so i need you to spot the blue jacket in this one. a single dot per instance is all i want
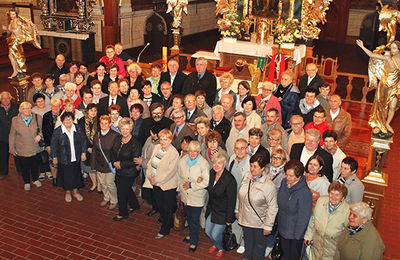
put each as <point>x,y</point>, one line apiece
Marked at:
<point>288,104</point>
<point>295,208</point>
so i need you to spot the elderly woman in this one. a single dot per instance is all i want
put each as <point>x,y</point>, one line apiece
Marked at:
<point>221,203</point>
<point>316,181</point>
<point>95,87</point>
<point>68,149</point>
<point>243,90</point>
<point>177,103</point>
<point>225,82</point>
<point>295,208</point>
<point>134,98</point>
<point>25,134</point>
<point>329,219</point>
<point>202,124</point>
<point>202,104</point>
<point>124,150</point>
<point>275,169</point>
<point>70,92</point>
<point>134,77</point>
<point>213,140</point>
<point>69,106</point>
<point>103,141</point>
<point>288,96</point>
<point>266,101</point>
<point>161,176</point>
<point>256,208</point>
<point>360,240</point>
<point>101,76</point>
<point>193,177</point>
<point>249,108</point>
<point>274,138</point>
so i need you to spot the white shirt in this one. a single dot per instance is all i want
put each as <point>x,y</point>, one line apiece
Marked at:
<point>334,115</point>
<point>309,80</point>
<point>338,156</point>
<point>71,140</point>
<point>172,78</point>
<point>110,100</point>
<point>305,155</point>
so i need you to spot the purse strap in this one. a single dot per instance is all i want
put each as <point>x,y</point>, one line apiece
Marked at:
<point>37,125</point>
<point>101,149</point>
<point>248,197</point>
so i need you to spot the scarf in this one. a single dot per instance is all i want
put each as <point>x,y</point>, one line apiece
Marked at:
<point>27,122</point>
<point>354,230</point>
<point>281,90</point>
<point>90,127</point>
<point>331,208</point>
<point>304,108</point>
<point>190,162</point>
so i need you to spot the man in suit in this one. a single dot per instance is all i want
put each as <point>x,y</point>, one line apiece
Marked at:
<point>180,129</point>
<point>272,121</point>
<point>155,123</point>
<point>174,76</point>
<point>339,119</point>
<point>219,123</point>
<point>58,68</point>
<point>305,150</point>
<point>191,110</point>
<point>201,79</point>
<point>255,135</point>
<point>113,98</point>
<point>310,79</point>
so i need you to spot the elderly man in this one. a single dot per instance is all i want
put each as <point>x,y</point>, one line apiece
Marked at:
<point>319,122</point>
<point>179,128</point>
<point>8,110</point>
<point>113,98</point>
<point>307,105</point>
<point>227,104</point>
<point>296,133</point>
<point>174,76</point>
<point>154,124</point>
<point>310,147</point>
<point>238,131</point>
<point>191,110</point>
<point>110,58</point>
<point>255,135</point>
<point>348,177</point>
<point>310,79</point>
<point>201,79</point>
<point>265,101</point>
<point>339,120</point>
<point>272,121</point>
<point>166,94</point>
<point>219,123</point>
<point>330,145</point>
<point>58,68</point>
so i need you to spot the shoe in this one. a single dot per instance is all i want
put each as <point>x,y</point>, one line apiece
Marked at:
<point>49,176</point>
<point>68,197</point>
<point>77,196</point>
<point>212,249</point>
<point>92,190</point>
<point>240,250</point>
<point>192,248</point>
<point>151,213</point>
<point>130,211</point>
<point>220,254</point>
<point>3,176</point>
<point>100,192</point>
<point>42,177</point>
<point>268,251</point>
<point>27,187</point>
<point>119,218</point>
<point>159,236</point>
<point>186,239</point>
<point>112,206</point>
<point>37,183</point>
<point>55,182</point>
<point>103,203</point>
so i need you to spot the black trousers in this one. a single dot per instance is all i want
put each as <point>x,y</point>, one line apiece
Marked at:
<point>166,201</point>
<point>126,195</point>
<point>255,243</point>
<point>29,168</point>
<point>291,248</point>
<point>4,157</point>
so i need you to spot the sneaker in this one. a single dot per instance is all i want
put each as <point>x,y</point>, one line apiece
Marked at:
<point>42,176</point>
<point>27,186</point>
<point>37,183</point>
<point>49,175</point>
<point>78,196</point>
<point>68,197</point>
<point>240,250</point>
<point>268,251</point>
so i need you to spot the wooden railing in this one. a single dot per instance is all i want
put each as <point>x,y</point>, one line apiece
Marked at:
<point>349,87</point>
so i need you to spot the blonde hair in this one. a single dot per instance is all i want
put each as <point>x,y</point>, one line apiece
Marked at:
<point>202,120</point>
<point>6,93</point>
<point>227,96</point>
<point>24,105</point>
<point>68,101</point>
<point>219,156</point>
<point>267,83</point>
<point>227,76</point>
<point>135,67</point>
<point>281,152</point>
<point>55,102</point>
<point>275,133</point>
<point>126,121</point>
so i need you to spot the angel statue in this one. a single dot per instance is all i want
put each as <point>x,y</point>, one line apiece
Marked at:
<point>19,30</point>
<point>388,19</point>
<point>177,6</point>
<point>387,92</point>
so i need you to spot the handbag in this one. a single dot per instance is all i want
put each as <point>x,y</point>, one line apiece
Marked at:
<point>41,142</point>
<point>228,239</point>
<point>180,217</point>
<point>44,155</point>
<point>112,169</point>
<point>277,252</point>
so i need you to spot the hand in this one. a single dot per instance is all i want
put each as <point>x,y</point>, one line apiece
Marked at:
<point>186,185</point>
<point>153,136</point>
<point>55,161</point>
<point>93,74</point>
<point>120,76</point>
<point>129,61</point>
<point>83,157</point>
<point>237,215</point>
<point>152,180</point>
<point>360,43</point>
<point>279,99</point>
<point>228,224</point>
<point>90,150</point>
<point>138,160</point>
<point>117,165</point>
<point>266,232</point>
<point>200,179</point>
<point>37,139</point>
<point>48,149</point>
<point>307,242</point>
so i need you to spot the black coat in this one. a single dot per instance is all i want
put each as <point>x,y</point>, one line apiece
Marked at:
<point>5,121</point>
<point>262,150</point>
<point>197,112</point>
<point>149,124</point>
<point>56,73</point>
<point>224,128</point>
<point>137,85</point>
<point>48,127</point>
<point>295,153</point>
<point>315,83</point>
<point>222,198</point>
<point>177,85</point>
<point>102,106</point>
<point>208,83</point>
<point>125,153</point>
<point>104,83</point>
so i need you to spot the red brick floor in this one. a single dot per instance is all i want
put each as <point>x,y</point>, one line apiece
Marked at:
<point>39,225</point>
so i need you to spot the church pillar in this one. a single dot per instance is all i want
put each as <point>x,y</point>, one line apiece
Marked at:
<point>111,29</point>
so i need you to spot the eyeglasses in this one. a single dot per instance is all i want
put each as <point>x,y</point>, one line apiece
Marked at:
<point>272,139</point>
<point>240,148</point>
<point>276,158</point>
<point>266,89</point>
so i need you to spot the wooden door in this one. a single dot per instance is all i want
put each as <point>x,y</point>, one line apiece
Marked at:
<point>335,29</point>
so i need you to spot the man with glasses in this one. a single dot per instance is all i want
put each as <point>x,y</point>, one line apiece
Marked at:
<point>271,122</point>
<point>310,79</point>
<point>265,101</point>
<point>179,128</point>
<point>296,132</point>
<point>154,124</point>
<point>319,123</point>
<point>173,76</point>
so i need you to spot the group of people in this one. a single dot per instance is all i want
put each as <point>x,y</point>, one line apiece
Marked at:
<point>269,166</point>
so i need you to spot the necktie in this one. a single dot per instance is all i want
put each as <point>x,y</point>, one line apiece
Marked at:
<point>175,133</point>
<point>188,115</point>
<point>113,101</point>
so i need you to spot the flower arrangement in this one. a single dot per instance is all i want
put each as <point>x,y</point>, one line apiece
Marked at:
<point>231,26</point>
<point>288,31</point>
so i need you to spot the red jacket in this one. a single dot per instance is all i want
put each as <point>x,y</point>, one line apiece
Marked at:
<point>116,60</point>
<point>321,128</point>
<point>273,102</point>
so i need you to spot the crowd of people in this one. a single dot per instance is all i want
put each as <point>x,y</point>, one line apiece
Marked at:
<point>270,166</point>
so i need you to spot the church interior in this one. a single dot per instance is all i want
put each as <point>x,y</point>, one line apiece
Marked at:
<point>40,225</point>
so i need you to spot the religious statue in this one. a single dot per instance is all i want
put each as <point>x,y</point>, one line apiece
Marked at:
<point>313,12</point>
<point>20,30</point>
<point>387,92</point>
<point>255,73</point>
<point>388,19</point>
<point>178,7</point>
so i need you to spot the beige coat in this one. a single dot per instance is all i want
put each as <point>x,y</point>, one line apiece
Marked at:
<point>263,197</point>
<point>196,195</point>
<point>342,126</point>
<point>233,136</point>
<point>165,175</point>
<point>21,136</point>
<point>324,228</point>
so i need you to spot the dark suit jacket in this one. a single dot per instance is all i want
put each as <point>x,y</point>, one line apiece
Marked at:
<point>56,73</point>
<point>185,131</point>
<point>208,83</point>
<point>315,83</point>
<point>149,124</point>
<point>222,198</point>
<point>137,85</point>
<point>295,153</point>
<point>224,128</point>
<point>102,106</point>
<point>104,83</point>
<point>177,85</point>
<point>261,149</point>
<point>197,112</point>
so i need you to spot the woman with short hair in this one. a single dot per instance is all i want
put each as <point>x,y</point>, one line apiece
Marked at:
<point>243,90</point>
<point>214,142</point>
<point>249,107</point>
<point>70,92</point>
<point>225,82</point>
<point>134,77</point>
<point>316,181</point>
<point>202,124</point>
<point>202,104</point>
<point>275,169</point>
<point>177,103</point>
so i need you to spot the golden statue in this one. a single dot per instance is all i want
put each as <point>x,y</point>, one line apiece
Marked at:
<point>387,92</point>
<point>178,7</point>
<point>388,19</point>
<point>20,30</point>
<point>255,76</point>
<point>312,13</point>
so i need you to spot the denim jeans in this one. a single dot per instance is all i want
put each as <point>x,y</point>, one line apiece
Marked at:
<point>214,232</point>
<point>193,219</point>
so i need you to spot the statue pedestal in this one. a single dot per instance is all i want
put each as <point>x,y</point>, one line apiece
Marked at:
<point>177,41</point>
<point>376,181</point>
<point>20,87</point>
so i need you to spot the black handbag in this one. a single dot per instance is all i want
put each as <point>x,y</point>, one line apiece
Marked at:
<point>44,155</point>
<point>276,252</point>
<point>229,239</point>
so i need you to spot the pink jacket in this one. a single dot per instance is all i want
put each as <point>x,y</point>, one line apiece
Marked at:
<point>273,102</point>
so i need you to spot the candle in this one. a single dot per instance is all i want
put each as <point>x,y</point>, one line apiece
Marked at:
<point>164,58</point>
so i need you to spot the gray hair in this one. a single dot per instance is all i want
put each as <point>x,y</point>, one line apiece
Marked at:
<point>362,209</point>
<point>218,107</point>
<point>70,85</point>
<point>313,132</point>
<point>179,112</point>
<point>202,59</point>
<point>194,145</point>
<point>219,156</point>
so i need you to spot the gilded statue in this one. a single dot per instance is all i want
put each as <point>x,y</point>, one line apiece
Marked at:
<point>313,12</point>
<point>222,7</point>
<point>19,30</point>
<point>255,74</point>
<point>178,7</point>
<point>387,92</point>
<point>388,19</point>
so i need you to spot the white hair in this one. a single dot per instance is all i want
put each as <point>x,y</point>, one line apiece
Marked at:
<point>70,85</point>
<point>362,209</point>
